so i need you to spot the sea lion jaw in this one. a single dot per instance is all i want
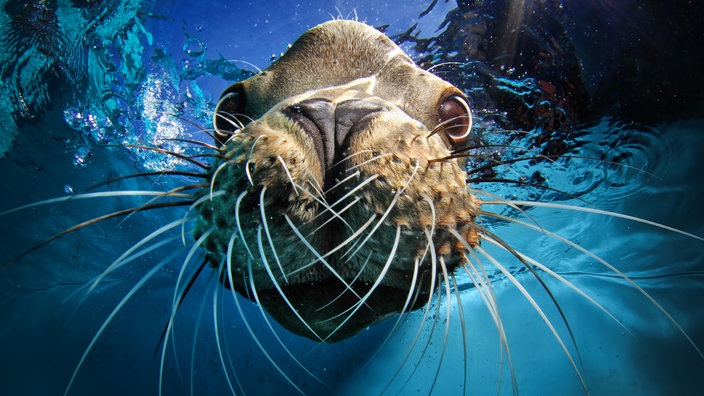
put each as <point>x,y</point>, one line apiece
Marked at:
<point>338,205</point>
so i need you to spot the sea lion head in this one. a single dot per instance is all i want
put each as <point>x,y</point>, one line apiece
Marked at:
<point>337,200</point>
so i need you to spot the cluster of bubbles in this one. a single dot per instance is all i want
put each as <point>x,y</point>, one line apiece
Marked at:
<point>137,102</point>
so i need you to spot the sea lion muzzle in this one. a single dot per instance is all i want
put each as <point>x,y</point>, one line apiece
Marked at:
<point>339,201</point>
<point>328,124</point>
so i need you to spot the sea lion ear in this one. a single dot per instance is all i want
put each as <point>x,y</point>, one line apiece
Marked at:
<point>229,112</point>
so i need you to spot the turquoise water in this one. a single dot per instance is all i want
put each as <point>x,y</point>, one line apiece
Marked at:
<point>83,80</point>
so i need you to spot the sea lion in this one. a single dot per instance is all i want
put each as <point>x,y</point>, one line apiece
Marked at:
<point>348,205</point>
<point>288,188</point>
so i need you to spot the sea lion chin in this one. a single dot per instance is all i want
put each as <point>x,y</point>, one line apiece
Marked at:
<point>338,200</point>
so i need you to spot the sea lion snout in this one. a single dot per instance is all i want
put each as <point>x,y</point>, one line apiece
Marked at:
<point>329,124</point>
<point>339,199</point>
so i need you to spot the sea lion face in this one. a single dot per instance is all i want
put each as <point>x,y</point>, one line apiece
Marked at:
<point>337,201</point>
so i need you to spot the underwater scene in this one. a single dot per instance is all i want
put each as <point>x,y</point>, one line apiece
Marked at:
<point>585,150</point>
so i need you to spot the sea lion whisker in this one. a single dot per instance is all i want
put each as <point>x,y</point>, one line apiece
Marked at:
<point>171,153</point>
<point>326,206</point>
<point>429,337</point>
<point>426,312</point>
<point>393,202</point>
<point>238,223</point>
<point>486,292</point>
<point>91,222</point>
<point>317,187</point>
<point>253,288</point>
<point>341,211</point>
<point>362,301</point>
<point>246,322</point>
<point>352,281</point>
<point>119,261</point>
<point>339,200</point>
<point>158,197</point>
<point>320,258</point>
<point>146,174</point>
<point>249,159</point>
<point>215,175</point>
<point>410,297</point>
<point>230,119</point>
<point>216,327</point>
<point>430,69</point>
<point>448,310</point>
<point>629,280</point>
<point>267,267</point>
<point>600,212</point>
<point>526,183</point>
<point>193,142</point>
<point>288,174</point>
<point>536,307</point>
<point>102,194</point>
<point>195,205</point>
<point>114,312</point>
<point>265,224</point>
<point>339,246</point>
<point>338,163</point>
<point>210,285</point>
<point>542,283</point>
<point>554,274</point>
<point>481,212</point>
<point>463,327</point>
<point>341,182</point>
<point>377,157</point>
<point>178,298</point>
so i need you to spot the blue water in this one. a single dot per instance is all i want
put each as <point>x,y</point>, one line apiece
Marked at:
<point>82,81</point>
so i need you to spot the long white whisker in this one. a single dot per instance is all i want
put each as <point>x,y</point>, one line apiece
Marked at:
<point>175,301</point>
<point>265,223</point>
<point>448,310</point>
<point>216,327</point>
<point>630,281</point>
<point>267,267</point>
<point>120,260</point>
<point>114,312</point>
<point>246,322</point>
<point>596,211</point>
<point>341,182</point>
<point>193,206</point>
<point>288,174</point>
<point>253,288</point>
<point>240,230</point>
<point>486,291</point>
<point>338,247</point>
<point>341,211</point>
<point>426,312</point>
<point>398,194</point>
<point>537,309</point>
<point>549,271</point>
<point>455,285</point>
<point>318,256</point>
<point>105,194</point>
<point>216,173</point>
<point>377,282</point>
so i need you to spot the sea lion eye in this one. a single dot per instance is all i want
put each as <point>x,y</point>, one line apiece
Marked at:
<point>228,112</point>
<point>455,118</point>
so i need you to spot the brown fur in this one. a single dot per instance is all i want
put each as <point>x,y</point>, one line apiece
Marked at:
<point>396,152</point>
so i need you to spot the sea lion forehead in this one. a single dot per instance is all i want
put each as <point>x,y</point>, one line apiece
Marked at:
<point>330,54</point>
<point>336,54</point>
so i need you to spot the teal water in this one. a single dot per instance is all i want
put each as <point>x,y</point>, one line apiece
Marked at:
<point>82,80</point>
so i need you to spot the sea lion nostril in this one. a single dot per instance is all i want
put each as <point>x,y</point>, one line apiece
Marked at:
<point>328,124</point>
<point>349,113</point>
<point>317,118</point>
